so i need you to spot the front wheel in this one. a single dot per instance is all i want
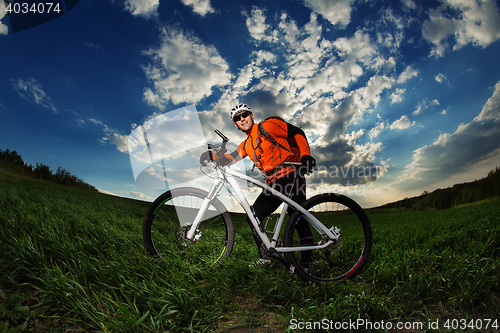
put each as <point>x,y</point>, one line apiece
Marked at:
<point>169,219</point>
<point>346,255</point>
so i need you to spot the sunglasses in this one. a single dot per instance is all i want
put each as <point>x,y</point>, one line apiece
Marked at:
<point>242,115</point>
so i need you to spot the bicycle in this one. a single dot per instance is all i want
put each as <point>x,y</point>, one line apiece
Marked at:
<point>193,225</point>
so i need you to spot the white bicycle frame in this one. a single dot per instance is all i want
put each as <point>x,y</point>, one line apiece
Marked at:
<point>225,174</point>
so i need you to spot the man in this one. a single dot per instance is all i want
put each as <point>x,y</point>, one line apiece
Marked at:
<point>269,147</point>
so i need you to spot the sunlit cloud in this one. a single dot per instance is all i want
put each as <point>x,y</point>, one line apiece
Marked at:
<point>397,96</point>
<point>337,12</point>
<point>111,135</point>
<point>425,105</point>
<point>184,69</point>
<point>201,7</point>
<point>143,8</point>
<point>31,90</point>
<point>401,124</point>
<point>441,78</point>
<point>3,28</point>
<point>455,152</point>
<point>465,22</point>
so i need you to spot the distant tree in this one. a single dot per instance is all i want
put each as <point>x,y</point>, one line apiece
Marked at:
<point>11,156</point>
<point>63,177</point>
<point>42,171</point>
<point>13,162</point>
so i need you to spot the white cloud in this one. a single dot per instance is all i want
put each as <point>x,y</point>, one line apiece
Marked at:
<point>257,27</point>
<point>424,105</point>
<point>338,12</point>
<point>418,110</point>
<point>153,99</point>
<point>184,70</point>
<point>3,28</point>
<point>359,47</point>
<point>491,110</point>
<point>111,135</point>
<point>407,74</point>
<point>305,54</point>
<point>353,136</point>
<point>144,8</point>
<point>264,57</point>
<point>120,141</point>
<point>410,4</point>
<point>397,96</point>
<point>390,30</point>
<point>472,143</point>
<point>375,131</point>
<point>441,78</point>
<point>473,22</point>
<point>32,91</point>
<point>140,196</point>
<point>401,124</point>
<point>201,7</point>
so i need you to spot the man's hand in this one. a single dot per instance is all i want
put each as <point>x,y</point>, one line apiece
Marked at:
<point>211,156</point>
<point>308,164</point>
<point>206,157</point>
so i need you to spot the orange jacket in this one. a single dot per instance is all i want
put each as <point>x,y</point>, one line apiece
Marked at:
<point>266,155</point>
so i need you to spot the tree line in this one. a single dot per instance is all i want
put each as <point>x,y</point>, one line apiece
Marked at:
<point>12,162</point>
<point>459,194</point>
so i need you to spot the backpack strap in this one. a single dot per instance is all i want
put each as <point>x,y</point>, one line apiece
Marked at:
<point>268,136</point>
<point>254,153</point>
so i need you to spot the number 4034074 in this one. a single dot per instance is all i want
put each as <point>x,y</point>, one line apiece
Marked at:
<point>473,324</point>
<point>33,8</point>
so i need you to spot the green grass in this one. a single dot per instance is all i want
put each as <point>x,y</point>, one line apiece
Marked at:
<point>74,260</point>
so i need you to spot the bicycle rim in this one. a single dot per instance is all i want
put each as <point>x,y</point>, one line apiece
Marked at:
<point>168,221</point>
<point>346,256</point>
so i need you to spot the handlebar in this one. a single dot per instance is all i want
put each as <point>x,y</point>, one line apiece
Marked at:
<point>224,138</point>
<point>224,141</point>
<point>218,149</point>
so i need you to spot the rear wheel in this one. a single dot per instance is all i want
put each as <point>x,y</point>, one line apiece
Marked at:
<point>170,217</point>
<point>346,256</point>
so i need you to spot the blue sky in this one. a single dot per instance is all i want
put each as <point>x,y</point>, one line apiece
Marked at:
<point>408,88</point>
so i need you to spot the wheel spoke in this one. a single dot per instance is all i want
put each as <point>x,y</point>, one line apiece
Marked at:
<point>346,256</point>
<point>169,220</point>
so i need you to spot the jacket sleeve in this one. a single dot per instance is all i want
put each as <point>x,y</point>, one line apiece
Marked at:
<point>239,153</point>
<point>300,137</point>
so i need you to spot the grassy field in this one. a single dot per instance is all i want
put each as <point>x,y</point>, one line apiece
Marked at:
<point>73,261</point>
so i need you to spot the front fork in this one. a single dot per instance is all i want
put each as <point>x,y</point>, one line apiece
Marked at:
<point>216,187</point>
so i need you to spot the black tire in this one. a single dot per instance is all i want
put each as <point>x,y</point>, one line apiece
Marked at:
<point>346,257</point>
<point>166,224</point>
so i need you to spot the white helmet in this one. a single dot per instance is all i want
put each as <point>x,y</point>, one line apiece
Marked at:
<point>238,109</point>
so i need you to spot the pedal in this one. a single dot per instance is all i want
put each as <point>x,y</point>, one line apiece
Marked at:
<point>276,255</point>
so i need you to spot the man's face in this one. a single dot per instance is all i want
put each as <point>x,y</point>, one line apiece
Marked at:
<point>244,121</point>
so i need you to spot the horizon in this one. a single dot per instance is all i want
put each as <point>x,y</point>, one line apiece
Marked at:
<point>496,169</point>
<point>405,95</point>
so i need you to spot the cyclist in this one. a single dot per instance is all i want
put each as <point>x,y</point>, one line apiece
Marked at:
<point>269,146</point>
